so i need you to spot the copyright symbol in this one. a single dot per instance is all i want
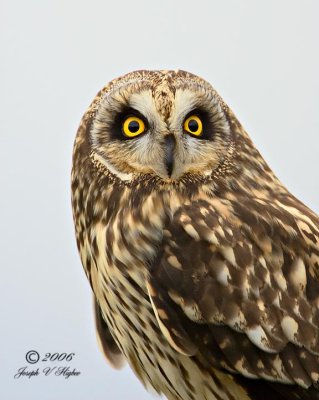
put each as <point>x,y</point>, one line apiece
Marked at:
<point>32,357</point>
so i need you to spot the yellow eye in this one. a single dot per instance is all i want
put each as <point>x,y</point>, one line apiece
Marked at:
<point>193,125</point>
<point>133,126</point>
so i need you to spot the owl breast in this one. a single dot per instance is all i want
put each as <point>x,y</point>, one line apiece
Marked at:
<point>122,249</point>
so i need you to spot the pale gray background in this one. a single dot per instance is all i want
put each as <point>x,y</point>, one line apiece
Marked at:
<point>262,56</point>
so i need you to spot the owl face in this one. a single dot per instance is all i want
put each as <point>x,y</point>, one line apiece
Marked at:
<point>163,124</point>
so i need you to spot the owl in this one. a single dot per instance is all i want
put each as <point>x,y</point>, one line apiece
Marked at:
<point>204,268</point>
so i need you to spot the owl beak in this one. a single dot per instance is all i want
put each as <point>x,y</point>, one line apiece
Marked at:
<point>169,147</point>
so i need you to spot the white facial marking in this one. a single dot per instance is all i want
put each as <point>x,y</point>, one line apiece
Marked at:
<point>121,175</point>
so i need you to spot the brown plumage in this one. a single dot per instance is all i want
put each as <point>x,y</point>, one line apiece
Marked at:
<point>204,267</point>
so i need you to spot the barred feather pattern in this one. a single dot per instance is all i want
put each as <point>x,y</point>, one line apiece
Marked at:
<point>208,286</point>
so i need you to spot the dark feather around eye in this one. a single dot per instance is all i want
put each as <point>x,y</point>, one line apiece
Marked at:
<point>208,126</point>
<point>117,126</point>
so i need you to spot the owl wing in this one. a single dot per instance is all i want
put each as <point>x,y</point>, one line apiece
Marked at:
<point>241,292</point>
<point>106,342</point>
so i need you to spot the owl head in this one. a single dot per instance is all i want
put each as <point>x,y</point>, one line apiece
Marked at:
<point>166,128</point>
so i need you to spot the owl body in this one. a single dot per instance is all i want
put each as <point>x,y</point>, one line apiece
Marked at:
<point>204,268</point>
<point>126,304</point>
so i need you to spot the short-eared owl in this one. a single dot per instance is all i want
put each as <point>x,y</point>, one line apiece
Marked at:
<point>204,268</point>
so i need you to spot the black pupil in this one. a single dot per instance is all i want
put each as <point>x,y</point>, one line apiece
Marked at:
<point>133,126</point>
<point>193,125</point>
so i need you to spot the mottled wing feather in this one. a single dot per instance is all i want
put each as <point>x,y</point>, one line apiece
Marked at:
<point>106,342</point>
<point>169,322</point>
<point>243,285</point>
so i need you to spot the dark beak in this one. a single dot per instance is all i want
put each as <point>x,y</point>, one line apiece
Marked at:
<point>169,153</point>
